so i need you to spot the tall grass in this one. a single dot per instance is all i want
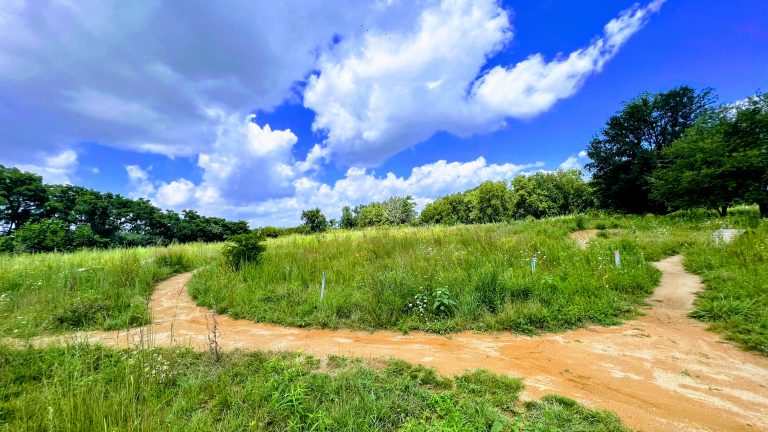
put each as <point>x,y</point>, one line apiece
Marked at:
<point>87,289</point>
<point>436,279</point>
<point>736,276</point>
<point>88,388</point>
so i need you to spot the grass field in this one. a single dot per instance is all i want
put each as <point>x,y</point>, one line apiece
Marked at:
<point>87,289</point>
<point>444,279</point>
<point>89,388</point>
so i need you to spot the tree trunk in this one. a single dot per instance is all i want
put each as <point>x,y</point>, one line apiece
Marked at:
<point>724,211</point>
<point>763,209</point>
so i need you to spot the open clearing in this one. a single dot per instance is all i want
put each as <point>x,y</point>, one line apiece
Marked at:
<point>662,371</point>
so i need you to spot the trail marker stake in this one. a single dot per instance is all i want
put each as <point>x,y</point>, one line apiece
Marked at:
<point>322,288</point>
<point>616,258</point>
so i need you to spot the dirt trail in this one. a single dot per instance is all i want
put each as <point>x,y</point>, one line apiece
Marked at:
<point>662,372</point>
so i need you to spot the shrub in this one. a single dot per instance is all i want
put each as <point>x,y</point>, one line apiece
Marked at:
<point>244,248</point>
<point>82,312</point>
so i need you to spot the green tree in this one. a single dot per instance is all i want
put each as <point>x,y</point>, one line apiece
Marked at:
<point>551,194</point>
<point>625,152</point>
<point>400,210</point>
<point>314,220</point>
<point>450,210</point>
<point>44,236</point>
<point>373,214</point>
<point>721,160</point>
<point>348,219</point>
<point>22,198</point>
<point>490,202</point>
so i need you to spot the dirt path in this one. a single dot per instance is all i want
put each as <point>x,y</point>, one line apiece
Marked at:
<point>663,371</point>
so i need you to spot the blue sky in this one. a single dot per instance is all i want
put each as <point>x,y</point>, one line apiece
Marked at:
<point>257,110</point>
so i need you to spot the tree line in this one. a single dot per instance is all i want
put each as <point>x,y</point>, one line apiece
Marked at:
<point>37,217</point>
<point>659,153</point>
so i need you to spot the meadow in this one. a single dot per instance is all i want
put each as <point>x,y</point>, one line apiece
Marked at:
<point>89,289</point>
<point>82,387</point>
<point>452,278</point>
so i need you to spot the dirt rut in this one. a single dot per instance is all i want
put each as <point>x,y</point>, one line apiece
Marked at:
<point>661,372</point>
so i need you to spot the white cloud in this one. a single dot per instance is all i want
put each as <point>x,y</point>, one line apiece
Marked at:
<point>394,90</point>
<point>250,163</point>
<point>574,161</point>
<point>139,183</point>
<point>56,169</point>
<point>174,194</point>
<point>139,75</point>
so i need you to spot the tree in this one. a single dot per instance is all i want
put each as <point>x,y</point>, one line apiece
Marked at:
<point>490,202</point>
<point>314,220</point>
<point>22,198</point>
<point>348,219</point>
<point>450,210</point>
<point>721,160</point>
<point>550,194</point>
<point>626,151</point>
<point>44,236</point>
<point>400,210</point>
<point>373,214</point>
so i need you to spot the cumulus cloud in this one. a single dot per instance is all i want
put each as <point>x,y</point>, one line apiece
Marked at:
<point>145,75</point>
<point>56,169</point>
<point>394,90</point>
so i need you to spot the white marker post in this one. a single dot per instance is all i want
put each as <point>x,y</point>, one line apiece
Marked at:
<point>616,258</point>
<point>533,265</point>
<point>322,288</point>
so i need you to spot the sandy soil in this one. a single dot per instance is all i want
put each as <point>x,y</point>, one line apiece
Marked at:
<point>662,372</point>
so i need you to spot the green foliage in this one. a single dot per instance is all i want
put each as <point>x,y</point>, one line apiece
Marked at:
<point>373,214</point>
<point>22,196</point>
<point>89,289</point>
<point>66,217</point>
<point>449,210</point>
<point>314,220</point>
<point>721,160</point>
<point>348,219</point>
<point>243,249</point>
<point>83,387</point>
<point>490,202</point>
<point>625,153</point>
<point>551,194</point>
<point>44,236</point>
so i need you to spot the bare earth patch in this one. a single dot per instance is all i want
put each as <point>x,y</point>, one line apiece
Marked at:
<point>661,372</point>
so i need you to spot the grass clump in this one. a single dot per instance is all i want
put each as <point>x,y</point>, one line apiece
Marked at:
<point>83,387</point>
<point>93,289</point>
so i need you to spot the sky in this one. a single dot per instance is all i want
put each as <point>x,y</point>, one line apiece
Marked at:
<point>257,110</point>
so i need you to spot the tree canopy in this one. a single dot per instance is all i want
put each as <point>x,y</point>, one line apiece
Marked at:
<point>721,160</point>
<point>39,217</point>
<point>625,152</point>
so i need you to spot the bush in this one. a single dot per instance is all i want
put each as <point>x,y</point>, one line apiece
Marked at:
<point>244,248</point>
